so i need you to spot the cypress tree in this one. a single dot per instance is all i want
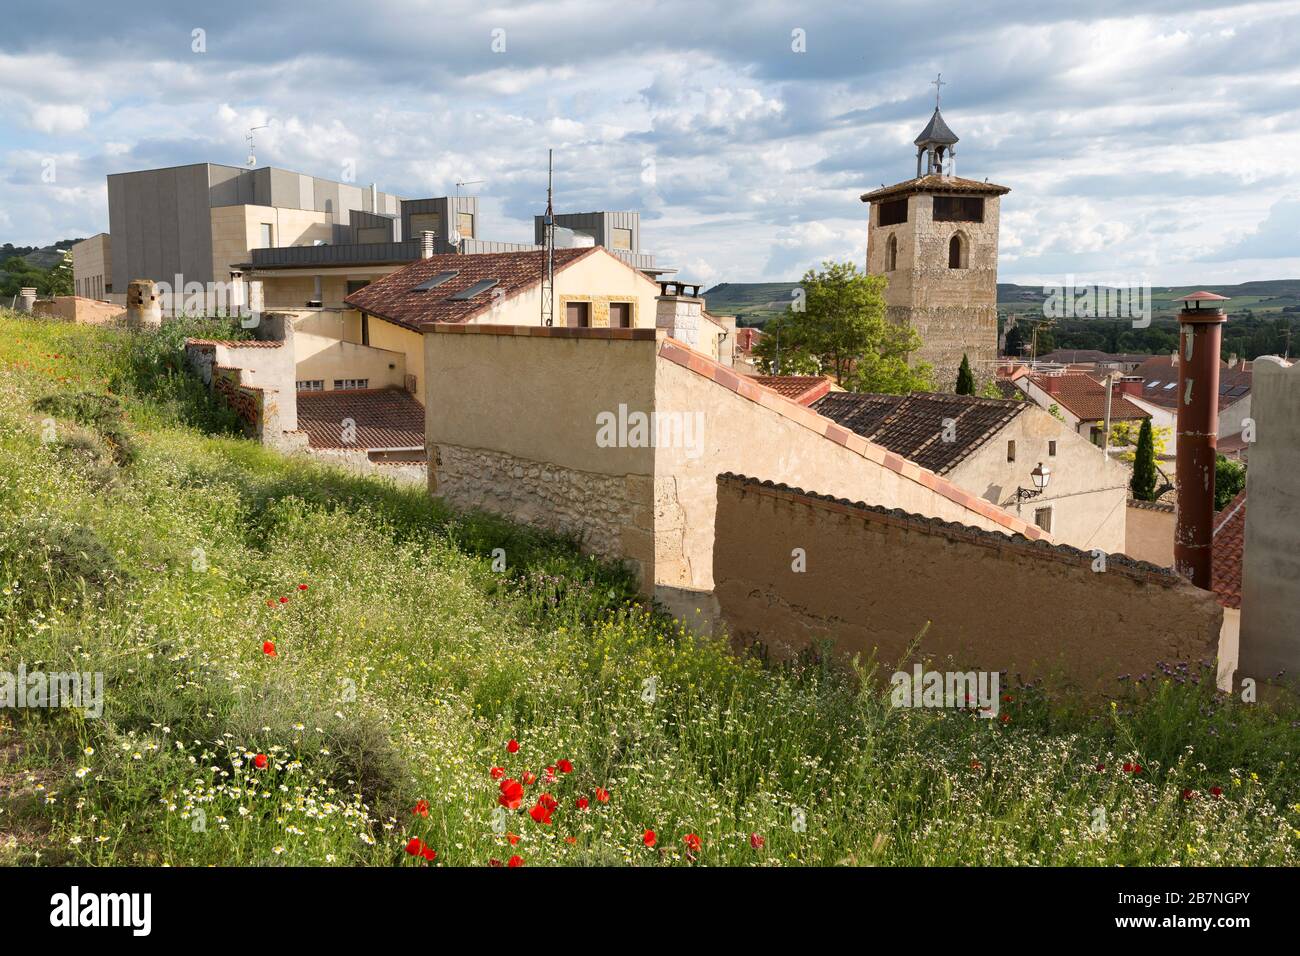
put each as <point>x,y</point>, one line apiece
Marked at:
<point>965,378</point>
<point>1143,482</point>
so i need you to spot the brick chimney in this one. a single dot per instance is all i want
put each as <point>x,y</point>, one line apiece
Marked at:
<point>679,311</point>
<point>1200,334</point>
<point>1052,384</point>
<point>1130,385</point>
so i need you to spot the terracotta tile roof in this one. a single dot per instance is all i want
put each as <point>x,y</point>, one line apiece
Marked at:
<point>392,298</point>
<point>913,425</point>
<point>936,184</point>
<point>1160,382</point>
<point>384,417</point>
<point>804,389</point>
<point>1233,446</point>
<point>1229,548</point>
<point>1086,399</point>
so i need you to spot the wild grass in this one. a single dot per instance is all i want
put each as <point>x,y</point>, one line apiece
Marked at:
<point>404,663</point>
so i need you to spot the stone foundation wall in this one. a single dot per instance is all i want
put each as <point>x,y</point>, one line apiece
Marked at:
<point>606,511</point>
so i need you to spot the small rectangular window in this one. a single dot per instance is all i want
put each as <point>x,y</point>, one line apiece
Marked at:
<point>958,209</point>
<point>577,315</point>
<point>425,222</point>
<point>1011,450</point>
<point>620,238</point>
<point>1051,449</point>
<point>465,225</point>
<point>1043,518</point>
<point>312,385</point>
<point>620,315</point>
<point>268,236</point>
<point>351,383</point>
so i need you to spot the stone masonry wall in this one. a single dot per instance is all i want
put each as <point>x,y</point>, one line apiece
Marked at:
<point>603,510</point>
<point>953,310</point>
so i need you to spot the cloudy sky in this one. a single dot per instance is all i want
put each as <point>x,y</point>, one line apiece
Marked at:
<point>1155,139</point>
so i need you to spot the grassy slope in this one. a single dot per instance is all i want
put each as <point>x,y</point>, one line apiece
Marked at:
<point>160,558</point>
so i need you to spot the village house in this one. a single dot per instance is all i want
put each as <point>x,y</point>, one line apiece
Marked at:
<point>1158,395</point>
<point>1011,453</point>
<point>1080,400</point>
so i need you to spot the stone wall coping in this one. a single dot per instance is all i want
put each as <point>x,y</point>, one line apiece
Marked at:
<point>683,355</point>
<point>236,343</point>
<point>1151,505</point>
<point>540,331</point>
<point>896,517</point>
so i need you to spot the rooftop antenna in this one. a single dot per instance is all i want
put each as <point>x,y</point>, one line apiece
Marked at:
<point>455,230</point>
<point>548,247</point>
<point>252,147</point>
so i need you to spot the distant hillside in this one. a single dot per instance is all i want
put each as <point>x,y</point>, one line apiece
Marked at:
<point>753,303</point>
<point>1265,298</point>
<point>38,258</point>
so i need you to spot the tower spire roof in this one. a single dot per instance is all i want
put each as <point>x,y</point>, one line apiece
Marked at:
<point>936,131</point>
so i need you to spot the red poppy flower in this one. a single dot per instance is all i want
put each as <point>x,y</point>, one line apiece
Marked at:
<point>693,843</point>
<point>497,772</point>
<point>270,604</point>
<point>1188,793</point>
<point>512,794</point>
<point>529,778</point>
<point>259,761</point>
<point>302,587</point>
<point>516,861</point>
<point>976,765</point>
<point>1216,791</point>
<point>602,795</point>
<point>583,803</point>
<point>571,840</point>
<point>648,838</point>
<point>565,766</point>
<point>421,808</point>
<point>268,648</point>
<point>284,600</point>
<point>494,862</point>
<point>1005,718</point>
<point>550,774</point>
<point>756,841</point>
<point>513,746</point>
<point>1132,768</point>
<point>429,853</point>
<point>1101,767</point>
<point>540,813</point>
<point>548,802</point>
<point>513,838</point>
<point>414,846</point>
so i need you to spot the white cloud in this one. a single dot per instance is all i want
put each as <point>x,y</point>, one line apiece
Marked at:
<point>56,118</point>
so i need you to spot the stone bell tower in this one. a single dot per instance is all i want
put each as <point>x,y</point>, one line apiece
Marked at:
<point>935,237</point>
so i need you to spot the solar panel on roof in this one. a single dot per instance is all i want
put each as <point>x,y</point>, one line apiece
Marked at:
<point>436,281</point>
<point>1171,385</point>
<point>482,285</point>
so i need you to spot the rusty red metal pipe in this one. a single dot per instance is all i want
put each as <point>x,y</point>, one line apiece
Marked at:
<point>1200,326</point>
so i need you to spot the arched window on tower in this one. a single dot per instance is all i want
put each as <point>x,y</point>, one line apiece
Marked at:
<point>957,256</point>
<point>891,254</point>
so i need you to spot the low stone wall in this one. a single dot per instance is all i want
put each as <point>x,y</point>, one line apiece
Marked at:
<point>874,579</point>
<point>75,308</point>
<point>597,508</point>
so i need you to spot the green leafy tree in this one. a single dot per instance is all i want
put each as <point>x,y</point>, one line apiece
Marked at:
<point>838,327</point>
<point>1126,434</point>
<point>1015,339</point>
<point>965,377</point>
<point>59,280</point>
<point>1143,482</point>
<point>1229,479</point>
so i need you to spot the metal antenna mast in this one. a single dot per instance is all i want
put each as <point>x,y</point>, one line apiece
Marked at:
<point>252,147</point>
<point>548,247</point>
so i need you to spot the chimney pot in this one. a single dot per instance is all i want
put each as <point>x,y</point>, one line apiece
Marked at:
<point>426,244</point>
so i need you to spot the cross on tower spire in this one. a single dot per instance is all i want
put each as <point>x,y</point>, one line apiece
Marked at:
<point>937,83</point>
